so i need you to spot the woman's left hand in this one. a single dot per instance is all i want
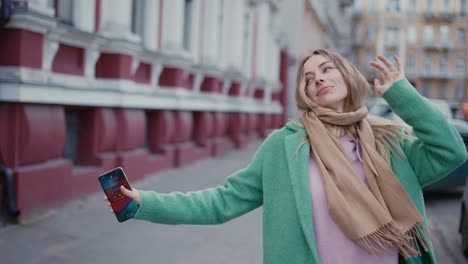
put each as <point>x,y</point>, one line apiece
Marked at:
<point>388,72</point>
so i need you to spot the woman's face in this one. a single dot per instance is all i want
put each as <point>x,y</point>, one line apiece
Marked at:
<point>324,83</point>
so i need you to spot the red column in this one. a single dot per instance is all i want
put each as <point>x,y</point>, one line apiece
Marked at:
<point>131,127</point>
<point>31,143</point>
<point>161,132</point>
<point>283,96</point>
<point>222,142</point>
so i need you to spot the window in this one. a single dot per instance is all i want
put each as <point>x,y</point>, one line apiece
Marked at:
<point>369,57</point>
<point>413,7</point>
<point>412,37</point>
<point>392,5</point>
<point>357,6</point>
<point>355,31</point>
<point>447,6</point>
<point>429,6</point>
<point>371,32</point>
<point>426,90</point>
<point>392,35</point>
<point>372,7</point>
<point>427,64</point>
<point>461,35</point>
<point>188,14</point>
<point>460,65</point>
<point>389,54</point>
<point>246,38</point>
<point>428,34</point>
<point>459,93</point>
<point>137,17</point>
<point>353,59</point>
<point>444,34</point>
<point>71,147</point>
<point>220,28</point>
<point>64,11</point>
<point>442,91</point>
<point>462,7</point>
<point>411,62</point>
<point>443,65</point>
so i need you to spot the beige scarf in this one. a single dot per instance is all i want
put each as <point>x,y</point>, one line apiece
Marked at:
<point>378,216</point>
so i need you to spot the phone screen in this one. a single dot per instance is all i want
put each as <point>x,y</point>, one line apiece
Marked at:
<point>123,207</point>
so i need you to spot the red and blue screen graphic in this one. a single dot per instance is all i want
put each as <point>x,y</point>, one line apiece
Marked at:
<point>123,207</point>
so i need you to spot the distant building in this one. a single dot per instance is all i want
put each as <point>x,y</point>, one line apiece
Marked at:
<point>428,35</point>
<point>321,24</point>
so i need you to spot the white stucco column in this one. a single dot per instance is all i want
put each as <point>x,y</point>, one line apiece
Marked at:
<point>116,19</point>
<point>210,32</point>
<point>195,27</point>
<point>173,25</point>
<point>151,23</point>
<point>402,45</point>
<point>247,44</point>
<point>274,54</point>
<point>84,14</point>
<point>380,39</point>
<point>263,35</point>
<point>234,24</point>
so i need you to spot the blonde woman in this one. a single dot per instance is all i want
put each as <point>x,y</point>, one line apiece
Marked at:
<point>337,185</point>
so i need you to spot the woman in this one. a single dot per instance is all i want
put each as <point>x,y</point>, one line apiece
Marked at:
<point>337,186</point>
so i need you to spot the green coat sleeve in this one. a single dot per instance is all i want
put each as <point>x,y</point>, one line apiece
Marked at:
<point>438,149</point>
<point>241,193</point>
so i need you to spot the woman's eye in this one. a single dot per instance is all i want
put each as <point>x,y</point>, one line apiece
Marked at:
<point>326,69</point>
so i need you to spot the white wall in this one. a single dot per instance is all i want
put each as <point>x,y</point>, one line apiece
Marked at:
<point>151,24</point>
<point>84,14</point>
<point>173,25</point>
<point>211,33</point>
<point>231,57</point>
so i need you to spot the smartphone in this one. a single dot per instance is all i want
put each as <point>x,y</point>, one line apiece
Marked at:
<point>123,206</point>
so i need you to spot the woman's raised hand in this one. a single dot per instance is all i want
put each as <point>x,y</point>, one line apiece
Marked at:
<point>388,73</point>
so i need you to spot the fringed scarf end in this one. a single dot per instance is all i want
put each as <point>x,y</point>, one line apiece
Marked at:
<point>388,236</point>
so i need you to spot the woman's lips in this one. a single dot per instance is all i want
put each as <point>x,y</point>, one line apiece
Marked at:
<point>323,90</point>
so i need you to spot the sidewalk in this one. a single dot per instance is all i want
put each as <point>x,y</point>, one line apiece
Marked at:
<point>85,231</point>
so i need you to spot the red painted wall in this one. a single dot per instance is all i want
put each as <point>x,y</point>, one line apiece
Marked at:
<point>143,73</point>
<point>211,84</point>
<point>69,60</point>
<point>21,48</point>
<point>114,66</point>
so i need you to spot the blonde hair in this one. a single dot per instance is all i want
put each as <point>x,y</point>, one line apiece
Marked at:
<point>387,134</point>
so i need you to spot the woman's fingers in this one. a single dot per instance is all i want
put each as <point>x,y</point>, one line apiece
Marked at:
<point>378,67</point>
<point>398,63</point>
<point>386,62</point>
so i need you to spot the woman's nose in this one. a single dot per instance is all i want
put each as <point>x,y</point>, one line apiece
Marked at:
<point>319,79</point>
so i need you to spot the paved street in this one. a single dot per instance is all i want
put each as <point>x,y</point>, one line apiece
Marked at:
<point>443,211</point>
<point>85,231</point>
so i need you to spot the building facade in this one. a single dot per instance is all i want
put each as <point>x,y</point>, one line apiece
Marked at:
<point>320,24</point>
<point>147,85</point>
<point>428,36</point>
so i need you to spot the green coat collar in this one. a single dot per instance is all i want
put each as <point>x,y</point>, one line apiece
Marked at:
<point>298,162</point>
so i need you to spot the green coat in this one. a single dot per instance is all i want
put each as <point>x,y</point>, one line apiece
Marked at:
<point>277,178</point>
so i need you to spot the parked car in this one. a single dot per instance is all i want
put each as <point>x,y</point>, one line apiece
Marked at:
<point>456,179</point>
<point>463,226</point>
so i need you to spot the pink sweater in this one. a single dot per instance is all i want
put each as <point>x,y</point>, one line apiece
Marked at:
<point>332,245</point>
